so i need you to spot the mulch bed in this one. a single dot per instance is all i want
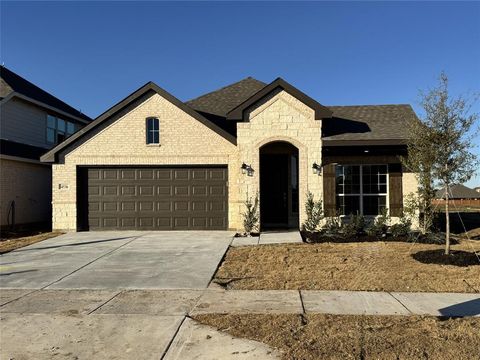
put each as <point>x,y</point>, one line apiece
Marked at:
<point>320,237</point>
<point>455,258</point>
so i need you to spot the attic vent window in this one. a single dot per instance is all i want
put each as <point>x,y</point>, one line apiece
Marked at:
<point>153,131</point>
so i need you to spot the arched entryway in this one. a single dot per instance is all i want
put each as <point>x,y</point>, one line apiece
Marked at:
<point>279,186</point>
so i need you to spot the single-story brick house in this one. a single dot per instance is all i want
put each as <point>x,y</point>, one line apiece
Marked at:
<point>155,162</point>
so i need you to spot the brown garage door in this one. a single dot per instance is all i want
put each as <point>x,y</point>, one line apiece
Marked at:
<point>173,198</point>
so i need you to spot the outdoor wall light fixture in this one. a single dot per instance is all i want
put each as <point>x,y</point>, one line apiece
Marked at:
<point>317,169</point>
<point>247,169</point>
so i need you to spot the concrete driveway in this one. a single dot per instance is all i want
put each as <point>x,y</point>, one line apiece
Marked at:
<point>117,260</point>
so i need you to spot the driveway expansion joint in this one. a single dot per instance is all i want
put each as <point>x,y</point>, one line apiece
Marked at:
<point>91,262</point>
<point>106,302</point>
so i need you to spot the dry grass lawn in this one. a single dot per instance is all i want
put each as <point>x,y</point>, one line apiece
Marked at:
<point>16,243</point>
<point>371,266</point>
<point>323,336</point>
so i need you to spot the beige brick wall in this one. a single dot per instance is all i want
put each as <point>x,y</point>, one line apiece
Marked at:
<point>280,117</point>
<point>29,185</point>
<point>410,186</point>
<point>183,140</point>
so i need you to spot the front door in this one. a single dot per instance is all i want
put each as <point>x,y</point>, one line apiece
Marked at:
<point>274,190</point>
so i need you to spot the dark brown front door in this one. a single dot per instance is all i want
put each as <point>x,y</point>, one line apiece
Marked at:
<point>274,190</point>
<point>162,198</point>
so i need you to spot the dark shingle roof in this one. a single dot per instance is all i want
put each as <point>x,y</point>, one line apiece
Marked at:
<point>354,123</point>
<point>458,192</point>
<point>11,82</point>
<point>368,122</point>
<point>221,101</point>
<point>13,148</point>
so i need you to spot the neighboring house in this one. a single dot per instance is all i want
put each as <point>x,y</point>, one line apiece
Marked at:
<point>31,122</point>
<point>461,195</point>
<point>155,162</point>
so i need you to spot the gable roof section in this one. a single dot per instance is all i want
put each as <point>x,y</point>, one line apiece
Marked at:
<point>221,101</point>
<point>364,124</point>
<point>458,192</point>
<point>321,112</point>
<point>149,88</point>
<point>11,84</point>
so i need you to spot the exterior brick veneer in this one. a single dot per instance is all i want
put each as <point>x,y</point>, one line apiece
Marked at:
<point>185,141</point>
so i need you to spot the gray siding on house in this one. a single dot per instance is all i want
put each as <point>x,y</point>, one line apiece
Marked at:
<point>24,123</point>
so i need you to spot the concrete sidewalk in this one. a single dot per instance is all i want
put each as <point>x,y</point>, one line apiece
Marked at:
<point>204,301</point>
<point>153,324</point>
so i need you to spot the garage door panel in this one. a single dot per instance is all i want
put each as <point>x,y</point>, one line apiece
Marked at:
<point>128,223</point>
<point>182,174</point>
<point>157,198</point>
<point>182,190</point>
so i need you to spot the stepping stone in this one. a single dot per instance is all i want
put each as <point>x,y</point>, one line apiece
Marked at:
<point>195,341</point>
<point>280,237</point>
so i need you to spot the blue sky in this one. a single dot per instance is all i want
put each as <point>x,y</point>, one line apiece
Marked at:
<point>93,54</point>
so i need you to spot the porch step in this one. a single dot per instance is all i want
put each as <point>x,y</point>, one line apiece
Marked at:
<point>280,237</point>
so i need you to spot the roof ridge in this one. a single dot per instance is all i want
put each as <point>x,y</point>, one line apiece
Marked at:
<point>224,87</point>
<point>369,105</point>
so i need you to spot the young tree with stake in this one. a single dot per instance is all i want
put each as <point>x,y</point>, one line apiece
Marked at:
<point>448,127</point>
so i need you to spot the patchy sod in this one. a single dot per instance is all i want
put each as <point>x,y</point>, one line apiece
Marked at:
<point>320,336</point>
<point>369,266</point>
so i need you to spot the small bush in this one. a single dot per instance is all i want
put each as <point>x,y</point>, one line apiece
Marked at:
<point>332,226</point>
<point>314,210</point>
<point>251,217</point>
<point>379,226</point>
<point>355,226</point>
<point>403,228</point>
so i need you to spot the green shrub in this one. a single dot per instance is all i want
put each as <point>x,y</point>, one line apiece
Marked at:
<point>314,211</point>
<point>355,226</point>
<point>251,217</point>
<point>379,226</point>
<point>403,228</point>
<point>332,226</point>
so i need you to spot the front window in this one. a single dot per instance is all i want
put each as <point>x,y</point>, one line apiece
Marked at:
<point>58,129</point>
<point>361,189</point>
<point>153,131</point>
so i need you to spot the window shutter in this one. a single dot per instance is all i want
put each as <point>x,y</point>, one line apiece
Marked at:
<point>395,189</point>
<point>329,190</point>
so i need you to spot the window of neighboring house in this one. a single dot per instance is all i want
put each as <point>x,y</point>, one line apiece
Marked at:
<point>58,129</point>
<point>153,131</point>
<point>361,189</point>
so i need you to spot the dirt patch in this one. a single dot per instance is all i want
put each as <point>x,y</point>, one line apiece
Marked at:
<point>372,266</point>
<point>322,336</point>
<point>16,243</point>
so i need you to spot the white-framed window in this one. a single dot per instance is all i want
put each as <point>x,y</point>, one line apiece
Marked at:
<point>153,131</point>
<point>361,189</point>
<point>58,129</point>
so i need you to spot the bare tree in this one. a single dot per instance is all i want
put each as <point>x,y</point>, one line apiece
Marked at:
<point>448,125</point>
